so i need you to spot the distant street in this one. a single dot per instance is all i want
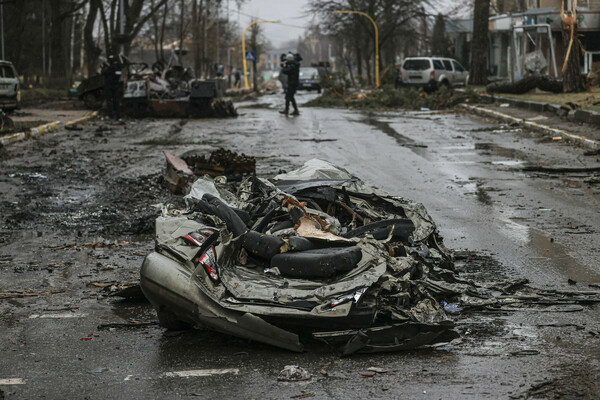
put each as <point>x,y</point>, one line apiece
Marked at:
<point>78,209</point>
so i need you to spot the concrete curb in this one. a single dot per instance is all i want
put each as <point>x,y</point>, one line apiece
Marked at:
<point>583,141</point>
<point>584,116</point>
<point>40,130</point>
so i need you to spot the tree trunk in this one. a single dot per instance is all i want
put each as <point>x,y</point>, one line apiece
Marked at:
<point>162,32</point>
<point>572,81</point>
<point>478,71</point>
<point>92,52</point>
<point>59,44</point>
<point>196,37</point>
<point>543,82</point>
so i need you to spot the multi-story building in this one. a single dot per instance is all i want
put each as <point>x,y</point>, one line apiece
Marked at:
<point>522,29</point>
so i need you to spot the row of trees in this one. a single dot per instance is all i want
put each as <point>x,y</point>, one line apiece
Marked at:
<point>401,25</point>
<point>57,41</point>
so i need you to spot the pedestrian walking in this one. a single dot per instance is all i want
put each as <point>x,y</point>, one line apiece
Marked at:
<point>291,68</point>
<point>111,71</point>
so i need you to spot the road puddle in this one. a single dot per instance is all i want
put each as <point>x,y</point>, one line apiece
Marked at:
<point>550,253</point>
<point>515,157</point>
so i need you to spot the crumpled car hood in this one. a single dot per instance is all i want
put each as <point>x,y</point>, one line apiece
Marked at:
<point>388,301</point>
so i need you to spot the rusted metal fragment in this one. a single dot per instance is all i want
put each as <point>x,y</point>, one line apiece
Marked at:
<point>177,174</point>
<point>222,162</point>
<point>179,164</point>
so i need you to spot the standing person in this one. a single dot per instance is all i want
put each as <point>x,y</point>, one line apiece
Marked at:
<point>111,71</point>
<point>292,69</point>
<point>237,76</point>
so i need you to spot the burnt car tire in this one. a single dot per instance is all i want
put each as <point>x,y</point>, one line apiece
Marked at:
<point>317,263</point>
<point>168,320</point>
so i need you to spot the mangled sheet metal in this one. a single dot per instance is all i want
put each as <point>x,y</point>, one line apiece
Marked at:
<point>315,251</point>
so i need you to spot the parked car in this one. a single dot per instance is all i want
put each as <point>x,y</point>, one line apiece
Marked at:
<point>310,79</point>
<point>432,72</point>
<point>10,94</point>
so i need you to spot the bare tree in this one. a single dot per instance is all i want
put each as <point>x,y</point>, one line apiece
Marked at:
<point>137,13</point>
<point>392,18</point>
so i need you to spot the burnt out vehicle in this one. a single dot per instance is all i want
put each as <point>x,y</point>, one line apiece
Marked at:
<point>314,254</point>
<point>173,93</point>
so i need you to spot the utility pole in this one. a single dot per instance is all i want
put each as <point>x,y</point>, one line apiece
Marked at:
<point>244,49</point>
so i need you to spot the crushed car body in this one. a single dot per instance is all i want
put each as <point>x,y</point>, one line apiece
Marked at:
<point>311,254</point>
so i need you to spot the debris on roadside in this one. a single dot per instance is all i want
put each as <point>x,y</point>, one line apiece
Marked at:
<point>390,98</point>
<point>119,289</point>
<point>293,373</point>
<point>221,162</point>
<point>592,180</point>
<point>542,82</point>
<point>10,294</point>
<point>181,172</point>
<point>93,245</point>
<point>133,323</point>
<point>378,370</point>
<point>303,396</point>
<point>177,175</point>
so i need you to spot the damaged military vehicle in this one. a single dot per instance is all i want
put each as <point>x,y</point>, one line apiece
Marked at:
<point>313,254</point>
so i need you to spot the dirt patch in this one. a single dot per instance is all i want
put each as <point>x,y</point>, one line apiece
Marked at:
<point>574,382</point>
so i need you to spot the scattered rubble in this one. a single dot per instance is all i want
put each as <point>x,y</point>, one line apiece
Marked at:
<point>11,294</point>
<point>389,98</point>
<point>181,172</point>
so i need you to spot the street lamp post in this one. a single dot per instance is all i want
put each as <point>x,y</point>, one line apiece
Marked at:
<point>376,41</point>
<point>244,49</point>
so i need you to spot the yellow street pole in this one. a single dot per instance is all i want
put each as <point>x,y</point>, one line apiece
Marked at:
<point>376,41</point>
<point>244,49</point>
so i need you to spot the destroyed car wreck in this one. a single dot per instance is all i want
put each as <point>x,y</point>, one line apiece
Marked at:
<point>311,254</point>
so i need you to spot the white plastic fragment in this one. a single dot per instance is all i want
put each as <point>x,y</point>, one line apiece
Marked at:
<point>293,373</point>
<point>201,372</point>
<point>202,186</point>
<point>12,381</point>
<point>315,169</point>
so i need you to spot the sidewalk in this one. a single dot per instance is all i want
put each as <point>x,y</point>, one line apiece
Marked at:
<point>577,126</point>
<point>51,117</point>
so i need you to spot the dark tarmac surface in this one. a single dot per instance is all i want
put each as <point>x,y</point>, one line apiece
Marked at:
<point>78,207</point>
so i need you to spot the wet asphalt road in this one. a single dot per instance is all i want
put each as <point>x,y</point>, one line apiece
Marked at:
<point>77,208</point>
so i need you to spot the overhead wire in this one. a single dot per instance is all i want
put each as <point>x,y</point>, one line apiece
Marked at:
<point>281,23</point>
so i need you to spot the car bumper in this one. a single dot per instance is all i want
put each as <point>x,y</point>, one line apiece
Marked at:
<point>309,86</point>
<point>9,103</point>
<point>427,86</point>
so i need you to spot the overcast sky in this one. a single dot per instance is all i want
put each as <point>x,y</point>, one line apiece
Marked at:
<point>292,14</point>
